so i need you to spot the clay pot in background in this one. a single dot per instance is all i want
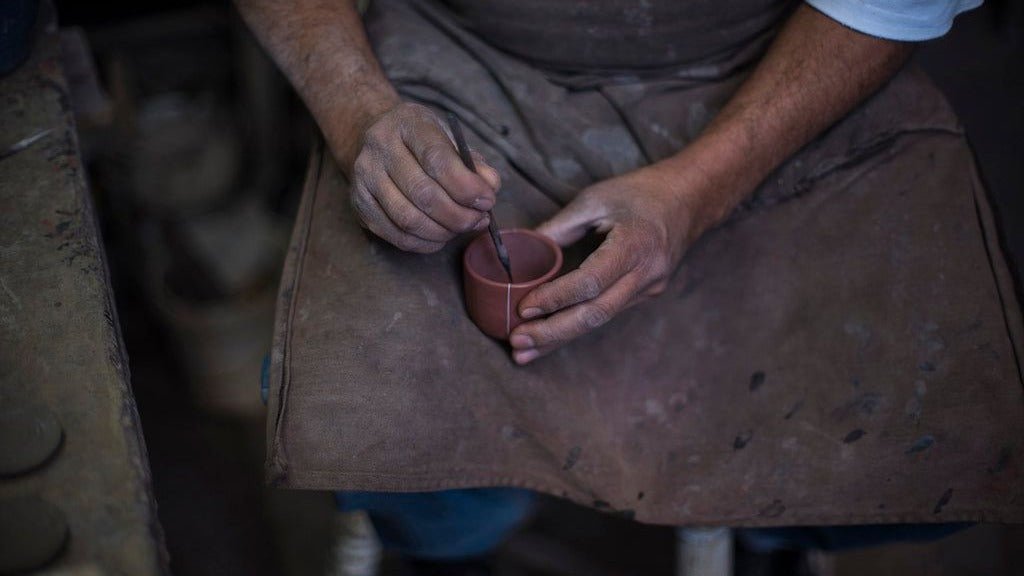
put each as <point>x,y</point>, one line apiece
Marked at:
<point>493,302</point>
<point>213,279</point>
<point>221,344</point>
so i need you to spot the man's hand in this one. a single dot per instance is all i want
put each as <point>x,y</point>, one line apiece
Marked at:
<point>648,224</point>
<point>409,185</point>
<point>815,71</point>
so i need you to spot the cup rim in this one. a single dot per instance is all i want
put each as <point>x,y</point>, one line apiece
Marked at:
<point>477,277</point>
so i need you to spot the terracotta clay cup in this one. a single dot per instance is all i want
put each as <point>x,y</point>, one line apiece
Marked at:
<point>492,301</point>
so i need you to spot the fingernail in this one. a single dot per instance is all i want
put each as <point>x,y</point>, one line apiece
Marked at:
<point>530,313</point>
<point>522,341</point>
<point>483,203</point>
<point>481,224</point>
<point>526,356</point>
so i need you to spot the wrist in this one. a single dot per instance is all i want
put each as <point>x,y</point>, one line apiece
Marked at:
<point>713,175</point>
<point>697,198</point>
<point>344,127</point>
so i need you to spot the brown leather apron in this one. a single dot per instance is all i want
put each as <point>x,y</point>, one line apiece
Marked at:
<point>843,350</point>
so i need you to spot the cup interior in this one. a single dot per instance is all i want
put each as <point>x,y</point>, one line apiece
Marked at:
<point>532,256</point>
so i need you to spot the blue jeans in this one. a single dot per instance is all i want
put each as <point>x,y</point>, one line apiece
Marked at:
<point>447,525</point>
<point>460,524</point>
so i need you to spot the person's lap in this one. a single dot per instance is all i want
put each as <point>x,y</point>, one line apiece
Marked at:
<point>845,204</point>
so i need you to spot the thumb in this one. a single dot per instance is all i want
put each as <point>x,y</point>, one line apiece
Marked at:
<point>485,171</point>
<point>570,223</point>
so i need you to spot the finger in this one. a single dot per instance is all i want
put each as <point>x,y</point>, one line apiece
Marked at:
<point>440,160</point>
<point>489,174</point>
<point>561,328</point>
<point>599,271</point>
<point>656,289</point>
<point>404,214</point>
<point>571,222</point>
<point>373,218</point>
<point>427,195</point>
<point>525,356</point>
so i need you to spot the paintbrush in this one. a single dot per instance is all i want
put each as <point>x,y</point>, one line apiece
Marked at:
<point>492,227</point>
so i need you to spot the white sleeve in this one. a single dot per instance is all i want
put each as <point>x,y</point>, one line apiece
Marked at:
<point>908,20</point>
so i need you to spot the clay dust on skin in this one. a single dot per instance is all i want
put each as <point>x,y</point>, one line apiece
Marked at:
<point>492,225</point>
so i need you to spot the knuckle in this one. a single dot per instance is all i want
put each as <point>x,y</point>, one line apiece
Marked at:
<point>405,244</point>
<point>544,335</point>
<point>495,175</point>
<point>377,133</point>
<point>408,244</point>
<point>423,192</point>
<point>658,267</point>
<point>588,288</point>
<point>658,288</point>
<point>414,108</point>
<point>467,222</point>
<point>406,222</point>
<point>363,166</point>
<point>436,160</point>
<point>359,201</point>
<point>593,315</point>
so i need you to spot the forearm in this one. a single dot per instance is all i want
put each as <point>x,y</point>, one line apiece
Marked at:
<point>814,73</point>
<point>322,48</point>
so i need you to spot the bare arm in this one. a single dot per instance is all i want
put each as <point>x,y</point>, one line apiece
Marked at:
<point>321,47</point>
<point>408,185</point>
<point>815,72</point>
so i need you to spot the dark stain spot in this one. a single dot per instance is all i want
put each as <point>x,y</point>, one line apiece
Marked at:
<point>854,435</point>
<point>927,367</point>
<point>509,432</point>
<point>773,510</point>
<point>881,506</point>
<point>601,505</point>
<point>572,457</point>
<point>58,304</point>
<point>1002,461</point>
<point>756,379</point>
<point>639,495</point>
<point>794,409</point>
<point>923,443</point>
<point>865,404</point>
<point>946,497</point>
<point>503,130</point>
<point>742,439</point>
<point>986,347</point>
<point>855,382</point>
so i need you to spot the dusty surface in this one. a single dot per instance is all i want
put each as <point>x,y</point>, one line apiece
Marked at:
<point>60,343</point>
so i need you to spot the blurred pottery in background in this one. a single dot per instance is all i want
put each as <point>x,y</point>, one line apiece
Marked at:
<point>186,155</point>
<point>493,301</point>
<point>214,289</point>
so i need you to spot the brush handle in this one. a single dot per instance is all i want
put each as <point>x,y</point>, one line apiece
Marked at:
<point>492,226</point>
